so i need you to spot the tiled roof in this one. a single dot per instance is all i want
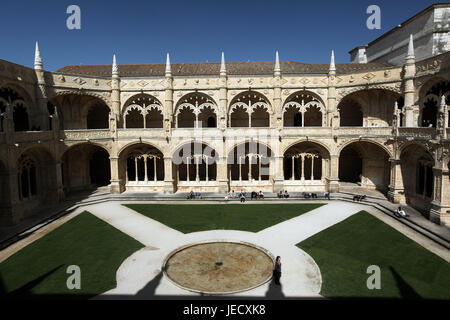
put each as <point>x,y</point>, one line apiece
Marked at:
<point>213,68</point>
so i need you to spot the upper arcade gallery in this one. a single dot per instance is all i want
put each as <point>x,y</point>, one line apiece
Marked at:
<point>216,127</point>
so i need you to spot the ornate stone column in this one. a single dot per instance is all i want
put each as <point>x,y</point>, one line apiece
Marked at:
<point>396,188</point>
<point>333,180</point>
<point>115,186</point>
<point>169,186</point>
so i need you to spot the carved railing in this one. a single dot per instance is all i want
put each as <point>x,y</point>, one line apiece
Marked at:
<point>91,134</point>
<point>420,132</point>
<point>364,131</point>
<point>32,136</point>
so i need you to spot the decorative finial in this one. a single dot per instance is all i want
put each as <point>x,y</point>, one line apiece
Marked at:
<point>410,54</point>
<point>277,68</point>
<point>168,69</point>
<point>443,102</point>
<point>332,65</point>
<point>38,65</point>
<point>115,67</point>
<point>223,69</point>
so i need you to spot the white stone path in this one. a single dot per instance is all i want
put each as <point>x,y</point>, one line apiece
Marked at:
<point>300,274</point>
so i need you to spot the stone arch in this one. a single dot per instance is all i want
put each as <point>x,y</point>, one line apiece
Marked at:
<point>365,163</point>
<point>193,110</point>
<point>20,106</point>
<point>194,162</point>
<point>141,167</point>
<point>249,109</point>
<point>373,107</point>
<point>430,99</point>
<point>36,180</point>
<point>249,164</point>
<point>73,110</point>
<point>85,166</point>
<point>304,109</point>
<point>142,111</point>
<point>307,162</point>
<point>417,177</point>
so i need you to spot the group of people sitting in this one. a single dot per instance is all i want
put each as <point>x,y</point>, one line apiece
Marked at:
<point>308,195</point>
<point>242,195</point>
<point>194,195</point>
<point>283,195</point>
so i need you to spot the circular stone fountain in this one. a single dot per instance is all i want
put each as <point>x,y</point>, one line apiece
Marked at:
<point>219,267</point>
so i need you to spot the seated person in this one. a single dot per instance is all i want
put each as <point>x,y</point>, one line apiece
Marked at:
<point>260,195</point>
<point>242,197</point>
<point>306,195</point>
<point>326,194</point>
<point>313,195</point>
<point>254,195</point>
<point>286,194</point>
<point>233,194</point>
<point>401,213</point>
<point>280,194</point>
<point>191,195</point>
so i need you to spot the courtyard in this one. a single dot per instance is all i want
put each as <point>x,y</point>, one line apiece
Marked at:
<point>122,250</point>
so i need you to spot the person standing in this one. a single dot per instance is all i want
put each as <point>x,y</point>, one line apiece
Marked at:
<point>277,270</point>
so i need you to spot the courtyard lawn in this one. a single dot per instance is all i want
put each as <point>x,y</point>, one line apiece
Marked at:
<point>203,217</point>
<point>344,251</point>
<point>86,241</point>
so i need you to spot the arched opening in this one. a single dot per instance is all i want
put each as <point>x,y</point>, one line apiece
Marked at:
<point>141,167</point>
<point>195,110</point>
<point>239,117</point>
<point>36,181</point>
<point>305,166</point>
<point>186,118</point>
<point>154,118</point>
<point>249,166</point>
<point>142,111</point>
<point>134,118</point>
<point>20,109</point>
<point>430,98</point>
<point>79,111</point>
<point>350,165</point>
<point>98,116</point>
<point>195,165</point>
<point>368,108</point>
<point>260,117</point>
<point>207,118</point>
<point>85,167</point>
<point>417,176</point>
<point>249,109</point>
<point>303,109</point>
<point>365,164</point>
<point>313,117</point>
<point>99,168</point>
<point>350,113</point>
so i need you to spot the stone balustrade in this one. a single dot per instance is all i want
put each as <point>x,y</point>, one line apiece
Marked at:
<point>91,134</point>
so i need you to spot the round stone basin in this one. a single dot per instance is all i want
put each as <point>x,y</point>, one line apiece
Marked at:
<point>219,267</point>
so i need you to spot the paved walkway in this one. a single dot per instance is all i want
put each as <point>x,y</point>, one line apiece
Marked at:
<point>140,275</point>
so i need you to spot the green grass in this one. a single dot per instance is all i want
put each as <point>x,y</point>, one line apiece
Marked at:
<point>86,241</point>
<point>345,250</point>
<point>203,217</point>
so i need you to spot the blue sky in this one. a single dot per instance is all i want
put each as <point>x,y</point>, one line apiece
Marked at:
<point>142,31</point>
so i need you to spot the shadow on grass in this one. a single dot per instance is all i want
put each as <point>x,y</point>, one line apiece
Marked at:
<point>25,290</point>
<point>406,291</point>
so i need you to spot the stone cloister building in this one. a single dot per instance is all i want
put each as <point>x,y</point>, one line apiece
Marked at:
<point>216,127</point>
